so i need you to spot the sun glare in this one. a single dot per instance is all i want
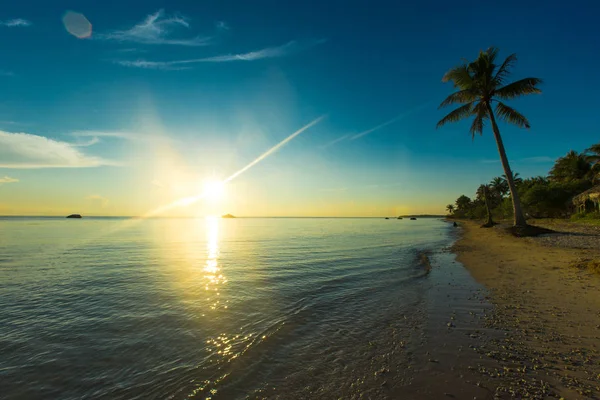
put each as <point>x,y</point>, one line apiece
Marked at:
<point>213,190</point>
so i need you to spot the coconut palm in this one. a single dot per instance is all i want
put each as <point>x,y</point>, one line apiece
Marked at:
<point>500,186</point>
<point>594,158</point>
<point>480,84</point>
<point>516,179</point>
<point>484,193</point>
<point>572,167</point>
<point>594,154</point>
<point>450,208</point>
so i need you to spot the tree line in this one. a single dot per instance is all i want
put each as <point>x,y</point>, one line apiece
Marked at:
<point>541,196</point>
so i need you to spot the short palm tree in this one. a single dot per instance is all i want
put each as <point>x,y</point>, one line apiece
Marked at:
<point>450,208</point>
<point>484,193</point>
<point>500,186</point>
<point>594,154</point>
<point>516,179</point>
<point>481,84</point>
<point>573,166</point>
<point>594,158</point>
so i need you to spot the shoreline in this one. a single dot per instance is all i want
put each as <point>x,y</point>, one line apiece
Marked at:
<point>549,310</point>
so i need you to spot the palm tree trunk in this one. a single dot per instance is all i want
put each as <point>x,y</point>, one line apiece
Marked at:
<point>486,197</point>
<point>519,218</point>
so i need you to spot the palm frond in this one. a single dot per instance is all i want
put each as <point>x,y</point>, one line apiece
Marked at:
<point>519,88</point>
<point>595,149</point>
<point>462,96</point>
<point>511,115</point>
<point>480,113</point>
<point>460,77</point>
<point>504,69</point>
<point>491,53</point>
<point>456,115</point>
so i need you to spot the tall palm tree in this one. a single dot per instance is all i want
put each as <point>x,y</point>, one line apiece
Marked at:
<point>450,208</point>
<point>480,84</point>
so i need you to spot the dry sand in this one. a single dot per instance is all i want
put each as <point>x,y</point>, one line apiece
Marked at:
<point>548,311</point>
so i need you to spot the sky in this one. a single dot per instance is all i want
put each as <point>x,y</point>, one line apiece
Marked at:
<point>126,108</point>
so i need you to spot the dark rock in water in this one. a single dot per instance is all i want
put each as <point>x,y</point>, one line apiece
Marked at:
<point>74,216</point>
<point>455,224</point>
<point>413,219</point>
<point>399,217</point>
<point>227,216</point>
<point>386,218</point>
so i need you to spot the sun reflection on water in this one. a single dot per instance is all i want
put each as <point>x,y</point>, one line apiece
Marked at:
<point>213,277</point>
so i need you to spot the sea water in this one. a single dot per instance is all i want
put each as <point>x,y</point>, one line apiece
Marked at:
<point>210,308</point>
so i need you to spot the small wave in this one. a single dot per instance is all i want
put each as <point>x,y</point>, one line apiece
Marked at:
<point>423,260</point>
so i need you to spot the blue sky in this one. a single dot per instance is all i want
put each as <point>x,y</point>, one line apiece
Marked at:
<point>158,97</point>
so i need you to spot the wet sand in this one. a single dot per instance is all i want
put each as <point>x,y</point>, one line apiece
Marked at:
<point>546,310</point>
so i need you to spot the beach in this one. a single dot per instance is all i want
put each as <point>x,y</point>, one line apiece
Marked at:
<point>547,307</point>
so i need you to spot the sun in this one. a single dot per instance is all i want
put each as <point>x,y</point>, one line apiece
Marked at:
<point>213,190</point>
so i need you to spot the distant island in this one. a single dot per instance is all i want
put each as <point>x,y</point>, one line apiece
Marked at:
<point>74,216</point>
<point>227,216</point>
<point>423,216</point>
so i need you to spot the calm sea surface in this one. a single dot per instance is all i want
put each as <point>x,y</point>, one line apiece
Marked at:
<point>210,308</point>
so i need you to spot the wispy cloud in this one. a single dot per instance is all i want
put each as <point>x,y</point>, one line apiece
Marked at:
<point>222,26</point>
<point>334,141</point>
<point>526,160</point>
<point>98,200</point>
<point>268,52</point>
<point>158,183</point>
<point>8,179</point>
<point>6,73</point>
<point>17,22</point>
<point>157,28</point>
<point>540,159</point>
<point>24,150</point>
<point>391,121</point>
<point>132,136</point>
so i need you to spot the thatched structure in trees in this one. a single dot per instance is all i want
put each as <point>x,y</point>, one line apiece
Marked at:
<point>588,200</point>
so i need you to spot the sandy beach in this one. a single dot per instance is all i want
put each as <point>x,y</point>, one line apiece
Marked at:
<point>548,309</point>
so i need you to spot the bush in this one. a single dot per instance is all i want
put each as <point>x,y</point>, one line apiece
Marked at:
<point>586,216</point>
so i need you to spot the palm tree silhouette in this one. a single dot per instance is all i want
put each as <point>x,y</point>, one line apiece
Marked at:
<point>480,84</point>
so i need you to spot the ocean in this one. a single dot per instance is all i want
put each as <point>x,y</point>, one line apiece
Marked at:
<point>210,308</point>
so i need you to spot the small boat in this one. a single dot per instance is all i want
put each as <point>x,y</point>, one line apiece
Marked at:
<point>74,216</point>
<point>413,219</point>
<point>386,218</point>
<point>399,217</point>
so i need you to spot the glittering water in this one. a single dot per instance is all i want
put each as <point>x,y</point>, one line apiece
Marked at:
<point>208,308</point>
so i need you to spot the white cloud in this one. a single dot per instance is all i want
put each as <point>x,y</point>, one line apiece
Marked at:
<point>157,28</point>
<point>158,183</point>
<point>98,200</point>
<point>541,159</point>
<point>8,179</point>
<point>132,136</point>
<point>268,52</point>
<point>24,150</point>
<point>17,22</point>
<point>334,141</point>
<point>222,26</point>
<point>526,160</point>
<point>391,121</point>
